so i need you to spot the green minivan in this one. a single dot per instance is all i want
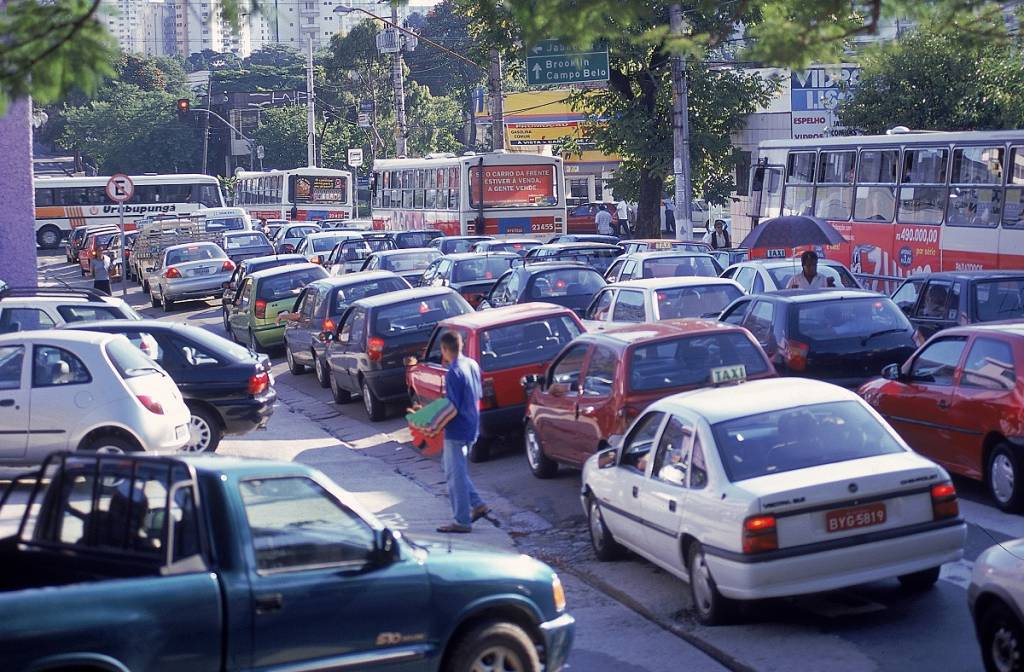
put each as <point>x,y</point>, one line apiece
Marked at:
<point>252,314</point>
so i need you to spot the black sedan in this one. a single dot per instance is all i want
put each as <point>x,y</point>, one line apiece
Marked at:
<point>471,274</point>
<point>228,389</point>
<point>241,245</point>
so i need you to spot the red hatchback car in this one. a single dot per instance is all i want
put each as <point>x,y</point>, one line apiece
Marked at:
<point>508,343</point>
<point>602,381</point>
<point>958,400</point>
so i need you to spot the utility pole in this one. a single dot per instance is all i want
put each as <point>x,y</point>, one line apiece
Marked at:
<point>497,102</point>
<point>206,123</point>
<point>398,81</point>
<point>310,111</point>
<point>681,134</point>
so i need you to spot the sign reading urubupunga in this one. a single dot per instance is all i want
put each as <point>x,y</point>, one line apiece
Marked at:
<point>550,62</point>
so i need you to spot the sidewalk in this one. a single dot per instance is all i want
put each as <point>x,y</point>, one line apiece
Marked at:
<point>637,645</point>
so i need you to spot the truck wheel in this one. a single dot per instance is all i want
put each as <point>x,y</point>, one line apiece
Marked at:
<point>1001,637</point>
<point>495,646</point>
<point>323,375</point>
<point>340,396</point>
<point>294,367</point>
<point>541,465</point>
<point>204,431</point>
<point>605,546</point>
<point>374,407</point>
<point>1005,480</point>
<point>49,237</point>
<point>711,607</point>
<point>918,581</point>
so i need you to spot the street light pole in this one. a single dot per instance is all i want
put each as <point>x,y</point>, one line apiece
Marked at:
<point>398,81</point>
<point>680,134</point>
<point>310,111</point>
<point>497,102</point>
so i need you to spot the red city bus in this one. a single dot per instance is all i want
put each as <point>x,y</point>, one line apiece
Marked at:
<point>523,194</point>
<point>906,202</point>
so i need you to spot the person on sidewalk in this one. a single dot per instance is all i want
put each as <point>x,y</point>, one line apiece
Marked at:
<point>603,221</point>
<point>464,388</point>
<point>99,265</point>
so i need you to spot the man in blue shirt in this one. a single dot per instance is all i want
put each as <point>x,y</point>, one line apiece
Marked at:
<point>464,389</point>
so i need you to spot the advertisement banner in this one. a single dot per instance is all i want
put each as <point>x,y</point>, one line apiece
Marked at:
<point>815,94</point>
<point>505,186</point>
<point>319,189</point>
<point>545,133</point>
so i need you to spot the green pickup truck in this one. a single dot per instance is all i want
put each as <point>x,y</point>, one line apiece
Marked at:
<point>118,563</point>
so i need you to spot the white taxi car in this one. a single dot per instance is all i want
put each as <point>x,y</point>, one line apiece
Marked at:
<point>771,488</point>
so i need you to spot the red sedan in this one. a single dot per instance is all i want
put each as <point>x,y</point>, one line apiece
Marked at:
<point>602,381</point>
<point>958,401</point>
<point>508,343</point>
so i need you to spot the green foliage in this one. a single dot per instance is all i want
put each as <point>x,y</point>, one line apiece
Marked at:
<point>132,131</point>
<point>936,80</point>
<point>434,122</point>
<point>282,132</point>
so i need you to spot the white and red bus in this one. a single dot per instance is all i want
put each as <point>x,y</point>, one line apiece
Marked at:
<point>522,194</point>
<point>302,194</point>
<point>906,202</point>
<point>65,203</point>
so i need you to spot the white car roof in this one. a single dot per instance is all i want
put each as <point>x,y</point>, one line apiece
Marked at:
<point>197,243</point>
<point>718,404</point>
<point>669,283</point>
<point>58,299</point>
<point>57,336</point>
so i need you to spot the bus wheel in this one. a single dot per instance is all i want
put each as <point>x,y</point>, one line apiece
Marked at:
<point>48,237</point>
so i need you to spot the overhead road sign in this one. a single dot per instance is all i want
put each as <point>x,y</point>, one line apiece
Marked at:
<point>550,62</point>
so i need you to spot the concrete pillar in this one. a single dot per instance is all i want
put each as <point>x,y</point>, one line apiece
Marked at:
<point>17,198</point>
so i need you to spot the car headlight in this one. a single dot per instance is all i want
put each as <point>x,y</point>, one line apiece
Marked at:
<point>558,593</point>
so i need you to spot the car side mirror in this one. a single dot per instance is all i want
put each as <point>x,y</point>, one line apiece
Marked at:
<point>385,547</point>
<point>891,372</point>
<point>607,458</point>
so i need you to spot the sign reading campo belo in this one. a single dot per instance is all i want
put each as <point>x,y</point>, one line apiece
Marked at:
<point>551,62</point>
<point>513,185</point>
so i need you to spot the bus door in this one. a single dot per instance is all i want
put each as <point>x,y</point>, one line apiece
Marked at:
<point>1011,229</point>
<point>765,191</point>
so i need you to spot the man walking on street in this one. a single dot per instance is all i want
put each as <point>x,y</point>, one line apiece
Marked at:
<point>464,389</point>
<point>99,266</point>
<point>603,221</point>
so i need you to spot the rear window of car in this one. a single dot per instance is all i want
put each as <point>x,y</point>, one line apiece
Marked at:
<point>416,238</point>
<point>412,261</point>
<point>565,282</point>
<point>695,301</point>
<point>288,284</point>
<point>800,438</point>
<point>839,275</point>
<point>672,267</point>
<point>488,268</point>
<point>688,360</point>
<point>326,243</point>
<point>128,360</point>
<point>999,300</point>
<point>225,224</point>
<point>88,313</point>
<point>457,246</point>
<point>345,296</point>
<point>417,315</point>
<point>194,253</point>
<point>246,240</point>
<point>525,343</point>
<point>301,231</point>
<point>519,248</point>
<point>380,243</point>
<point>217,344</point>
<point>848,318</point>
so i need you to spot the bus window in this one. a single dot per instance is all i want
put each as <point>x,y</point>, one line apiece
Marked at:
<point>207,194</point>
<point>923,203</point>
<point>836,201</point>
<point>878,166</point>
<point>798,199</point>
<point>969,204</point>
<point>175,193</point>
<point>44,197</point>
<point>1013,206</point>
<point>876,188</point>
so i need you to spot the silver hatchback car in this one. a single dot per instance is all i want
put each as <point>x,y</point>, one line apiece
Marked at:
<point>190,271</point>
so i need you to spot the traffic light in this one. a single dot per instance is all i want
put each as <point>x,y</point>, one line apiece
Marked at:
<point>183,108</point>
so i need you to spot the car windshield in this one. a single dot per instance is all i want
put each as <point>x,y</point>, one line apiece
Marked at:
<point>353,250</point>
<point>800,438</point>
<point>485,268</point>
<point>282,286</point>
<point>326,243</point>
<point>408,239</point>
<point>417,314</point>
<point>380,243</point>
<point>193,253</point>
<point>999,299</point>
<point>273,263</point>
<point>848,318</point>
<point>404,263</point>
<point>838,274</point>
<point>565,282</point>
<point>246,240</point>
<point>695,301</point>
<point>344,296</point>
<point>683,265</point>
<point>525,343</point>
<point>300,231</point>
<point>225,224</point>
<point>688,360</point>
<point>103,239</point>
<point>459,245</point>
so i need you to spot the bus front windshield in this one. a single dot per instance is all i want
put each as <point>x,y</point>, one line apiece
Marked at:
<point>514,186</point>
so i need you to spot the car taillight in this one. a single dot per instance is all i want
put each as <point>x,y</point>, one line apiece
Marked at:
<point>259,382</point>
<point>261,308</point>
<point>151,404</point>
<point>375,349</point>
<point>795,354</point>
<point>227,266</point>
<point>760,534</point>
<point>490,397</point>
<point>327,327</point>
<point>172,272</point>
<point>944,501</point>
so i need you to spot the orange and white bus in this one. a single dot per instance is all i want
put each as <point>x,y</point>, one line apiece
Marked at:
<point>906,202</point>
<point>65,203</point>
<point>302,194</point>
<point>522,194</point>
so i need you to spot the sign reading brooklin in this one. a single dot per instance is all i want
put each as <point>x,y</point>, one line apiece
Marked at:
<point>513,185</point>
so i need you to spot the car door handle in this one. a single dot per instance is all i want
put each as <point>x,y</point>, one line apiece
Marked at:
<point>6,402</point>
<point>269,602</point>
<point>672,505</point>
<point>943,403</point>
<point>636,491</point>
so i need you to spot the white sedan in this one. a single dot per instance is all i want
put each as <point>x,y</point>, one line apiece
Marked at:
<point>771,488</point>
